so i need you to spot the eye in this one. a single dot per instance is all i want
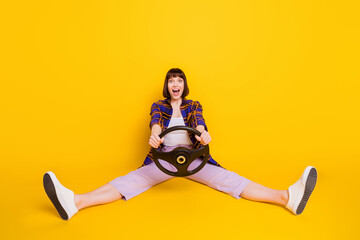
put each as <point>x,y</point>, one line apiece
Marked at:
<point>180,80</point>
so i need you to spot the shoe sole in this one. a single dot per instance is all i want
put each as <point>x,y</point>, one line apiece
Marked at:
<point>51,193</point>
<point>309,187</point>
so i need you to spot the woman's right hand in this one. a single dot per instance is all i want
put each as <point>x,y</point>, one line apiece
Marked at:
<point>155,140</point>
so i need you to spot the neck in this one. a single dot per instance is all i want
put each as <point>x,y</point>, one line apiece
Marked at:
<point>176,101</point>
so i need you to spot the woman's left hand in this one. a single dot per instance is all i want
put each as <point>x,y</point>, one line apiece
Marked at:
<point>204,139</point>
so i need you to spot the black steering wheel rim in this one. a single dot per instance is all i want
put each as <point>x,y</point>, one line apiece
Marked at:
<point>181,157</point>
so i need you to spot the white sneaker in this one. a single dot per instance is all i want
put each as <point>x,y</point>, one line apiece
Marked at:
<point>62,198</point>
<point>300,191</point>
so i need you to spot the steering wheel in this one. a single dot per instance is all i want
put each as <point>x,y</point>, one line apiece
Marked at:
<point>180,157</point>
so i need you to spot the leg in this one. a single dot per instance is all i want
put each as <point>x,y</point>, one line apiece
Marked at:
<point>67,203</point>
<point>294,199</point>
<point>237,186</point>
<point>256,192</point>
<point>104,194</point>
<point>219,179</point>
<point>124,187</point>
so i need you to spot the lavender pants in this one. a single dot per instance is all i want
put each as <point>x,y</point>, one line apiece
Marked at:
<point>143,178</point>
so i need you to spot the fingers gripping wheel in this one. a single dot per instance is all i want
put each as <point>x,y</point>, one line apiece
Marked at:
<point>181,157</point>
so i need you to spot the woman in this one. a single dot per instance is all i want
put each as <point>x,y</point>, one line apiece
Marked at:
<point>175,110</point>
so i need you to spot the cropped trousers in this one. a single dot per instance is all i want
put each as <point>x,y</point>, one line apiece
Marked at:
<point>143,178</point>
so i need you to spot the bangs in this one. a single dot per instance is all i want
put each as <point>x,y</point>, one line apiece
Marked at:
<point>181,75</point>
<point>175,74</point>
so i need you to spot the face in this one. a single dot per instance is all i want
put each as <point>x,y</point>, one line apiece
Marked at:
<point>176,87</point>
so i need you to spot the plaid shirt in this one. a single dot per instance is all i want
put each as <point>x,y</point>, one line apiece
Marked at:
<point>161,112</point>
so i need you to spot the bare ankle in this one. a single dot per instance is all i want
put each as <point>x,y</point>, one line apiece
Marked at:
<point>77,201</point>
<point>285,197</point>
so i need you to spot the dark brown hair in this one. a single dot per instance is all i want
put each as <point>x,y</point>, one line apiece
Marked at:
<point>175,72</point>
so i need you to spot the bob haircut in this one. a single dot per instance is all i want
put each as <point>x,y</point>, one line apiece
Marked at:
<point>175,72</point>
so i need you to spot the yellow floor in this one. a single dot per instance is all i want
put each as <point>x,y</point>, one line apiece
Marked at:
<point>182,209</point>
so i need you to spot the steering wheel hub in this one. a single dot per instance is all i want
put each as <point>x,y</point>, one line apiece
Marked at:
<point>181,159</point>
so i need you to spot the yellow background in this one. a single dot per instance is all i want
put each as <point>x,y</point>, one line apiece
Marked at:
<point>278,82</point>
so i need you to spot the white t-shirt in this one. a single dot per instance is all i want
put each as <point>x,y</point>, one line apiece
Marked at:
<point>177,137</point>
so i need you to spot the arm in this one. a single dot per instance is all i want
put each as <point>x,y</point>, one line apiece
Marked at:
<point>200,128</point>
<point>155,127</point>
<point>205,138</point>
<point>155,140</point>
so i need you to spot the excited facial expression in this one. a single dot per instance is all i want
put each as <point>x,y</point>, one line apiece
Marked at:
<point>176,87</point>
